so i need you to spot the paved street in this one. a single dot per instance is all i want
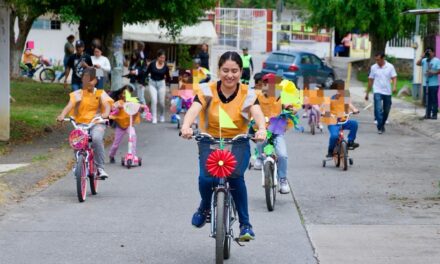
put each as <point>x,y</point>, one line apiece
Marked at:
<point>142,215</point>
<point>384,209</point>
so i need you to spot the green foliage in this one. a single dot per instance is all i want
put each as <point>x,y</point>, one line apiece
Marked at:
<point>185,59</point>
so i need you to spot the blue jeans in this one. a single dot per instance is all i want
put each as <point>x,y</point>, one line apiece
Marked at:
<point>100,84</point>
<point>65,60</point>
<point>76,86</point>
<point>351,125</point>
<point>431,100</point>
<point>281,151</point>
<point>382,107</point>
<point>241,151</point>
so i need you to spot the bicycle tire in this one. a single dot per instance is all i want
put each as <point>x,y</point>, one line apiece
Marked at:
<point>93,177</point>
<point>81,179</point>
<point>269,188</point>
<point>312,125</point>
<point>220,227</point>
<point>337,156</point>
<point>228,238</point>
<point>344,155</point>
<point>47,75</point>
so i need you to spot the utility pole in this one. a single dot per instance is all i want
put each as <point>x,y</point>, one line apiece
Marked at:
<point>280,7</point>
<point>4,73</point>
<point>417,86</point>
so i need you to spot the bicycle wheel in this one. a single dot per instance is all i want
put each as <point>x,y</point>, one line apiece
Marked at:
<point>47,75</point>
<point>312,125</point>
<point>269,188</point>
<point>220,228</point>
<point>228,238</point>
<point>337,155</point>
<point>344,155</point>
<point>81,178</point>
<point>93,176</point>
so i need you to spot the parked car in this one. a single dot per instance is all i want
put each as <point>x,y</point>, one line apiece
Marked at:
<point>297,65</point>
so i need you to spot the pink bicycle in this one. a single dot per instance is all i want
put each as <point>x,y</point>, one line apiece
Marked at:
<point>80,140</point>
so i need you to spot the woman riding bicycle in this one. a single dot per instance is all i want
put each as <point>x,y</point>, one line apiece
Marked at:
<point>84,105</point>
<point>239,103</point>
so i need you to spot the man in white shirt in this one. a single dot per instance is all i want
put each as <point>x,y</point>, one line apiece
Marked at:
<point>381,75</point>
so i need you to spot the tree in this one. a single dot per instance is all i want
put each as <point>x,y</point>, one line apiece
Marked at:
<point>381,19</point>
<point>104,19</point>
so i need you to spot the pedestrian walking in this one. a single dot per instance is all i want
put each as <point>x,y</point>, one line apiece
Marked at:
<point>78,62</point>
<point>431,69</point>
<point>159,73</point>
<point>137,69</point>
<point>204,56</point>
<point>69,49</point>
<point>102,66</point>
<point>381,75</point>
<point>248,66</point>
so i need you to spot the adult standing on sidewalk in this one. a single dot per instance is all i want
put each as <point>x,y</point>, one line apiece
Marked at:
<point>248,66</point>
<point>159,72</point>
<point>381,75</point>
<point>69,49</point>
<point>77,62</point>
<point>431,69</point>
<point>102,66</point>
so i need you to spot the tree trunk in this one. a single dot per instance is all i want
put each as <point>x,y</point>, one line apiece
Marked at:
<point>377,45</point>
<point>117,55</point>
<point>17,46</point>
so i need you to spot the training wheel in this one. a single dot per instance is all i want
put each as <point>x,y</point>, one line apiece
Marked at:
<point>324,163</point>
<point>350,160</point>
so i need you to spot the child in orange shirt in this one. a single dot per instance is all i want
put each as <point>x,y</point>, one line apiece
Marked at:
<point>122,121</point>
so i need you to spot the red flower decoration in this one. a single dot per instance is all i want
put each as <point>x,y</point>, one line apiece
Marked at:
<point>220,163</point>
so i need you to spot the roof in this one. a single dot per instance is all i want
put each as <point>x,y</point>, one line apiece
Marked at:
<point>203,32</point>
<point>423,11</point>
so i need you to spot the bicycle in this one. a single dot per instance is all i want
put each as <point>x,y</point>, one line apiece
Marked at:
<point>312,114</point>
<point>46,74</point>
<point>223,213</point>
<point>80,140</point>
<point>340,152</point>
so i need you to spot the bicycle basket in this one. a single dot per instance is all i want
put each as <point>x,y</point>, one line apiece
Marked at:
<point>221,163</point>
<point>78,139</point>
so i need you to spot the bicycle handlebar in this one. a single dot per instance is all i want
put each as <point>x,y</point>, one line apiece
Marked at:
<point>96,120</point>
<point>198,136</point>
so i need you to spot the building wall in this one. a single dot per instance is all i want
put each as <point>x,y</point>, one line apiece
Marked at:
<point>50,42</point>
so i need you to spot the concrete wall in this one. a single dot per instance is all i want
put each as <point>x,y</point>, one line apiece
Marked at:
<point>4,73</point>
<point>400,53</point>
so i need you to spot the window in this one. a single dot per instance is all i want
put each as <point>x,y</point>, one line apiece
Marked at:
<point>55,24</point>
<point>47,24</point>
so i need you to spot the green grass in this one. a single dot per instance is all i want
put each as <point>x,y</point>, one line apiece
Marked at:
<point>36,107</point>
<point>39,158</point>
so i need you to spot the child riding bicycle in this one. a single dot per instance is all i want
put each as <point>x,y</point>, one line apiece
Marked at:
<point>340,103</point>
<point>83,106</point>
<point>272,107</point>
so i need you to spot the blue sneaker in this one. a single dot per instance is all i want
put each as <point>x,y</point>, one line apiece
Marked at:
<point>199,218</point>
<point>246,233</point>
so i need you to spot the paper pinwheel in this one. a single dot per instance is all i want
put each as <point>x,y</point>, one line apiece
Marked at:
<point>221,163</point>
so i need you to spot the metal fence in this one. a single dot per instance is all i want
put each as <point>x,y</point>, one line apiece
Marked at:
<point>240,28</point>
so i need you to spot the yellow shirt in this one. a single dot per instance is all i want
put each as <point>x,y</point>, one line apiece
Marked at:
<point>87,104</point>
<point>270,106</point>
<point>237,110</point>
<point>29,58</point>
<point>123,119</point>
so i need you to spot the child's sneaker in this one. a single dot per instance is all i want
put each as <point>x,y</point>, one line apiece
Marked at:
<point>284,186</point>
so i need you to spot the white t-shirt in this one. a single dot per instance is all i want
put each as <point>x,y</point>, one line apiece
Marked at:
<point>104,63</point>
<point>382,78</point>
